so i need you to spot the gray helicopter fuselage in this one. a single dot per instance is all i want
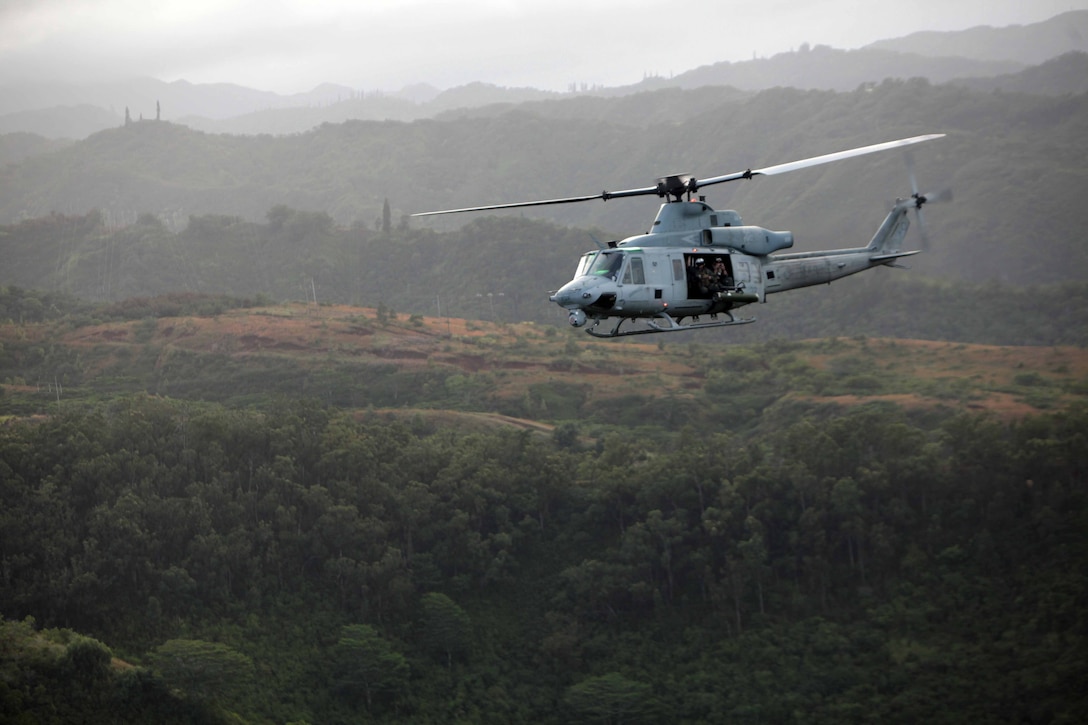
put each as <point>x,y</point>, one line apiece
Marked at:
<point>662,272</point>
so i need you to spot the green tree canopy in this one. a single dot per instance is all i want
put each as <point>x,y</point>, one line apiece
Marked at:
<point>610,698</point>
<point>447,629</point>
<point>204,670</point>
<point>367,664</point>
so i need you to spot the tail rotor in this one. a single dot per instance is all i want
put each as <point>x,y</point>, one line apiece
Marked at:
<point>921,199</point>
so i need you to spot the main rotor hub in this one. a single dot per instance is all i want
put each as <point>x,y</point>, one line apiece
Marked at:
<point>677,185</point>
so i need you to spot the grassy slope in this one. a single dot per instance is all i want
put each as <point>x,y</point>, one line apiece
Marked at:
<point>515,359</point>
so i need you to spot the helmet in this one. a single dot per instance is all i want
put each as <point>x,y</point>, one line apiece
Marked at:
<point>699,260</point>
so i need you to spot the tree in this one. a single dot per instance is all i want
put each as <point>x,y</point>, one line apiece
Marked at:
<point>205,670</point>
<point>387,218</point>
<point>612,698</point>
<point>446,627</point>
<point>86,665</point>
<point>368,664</point>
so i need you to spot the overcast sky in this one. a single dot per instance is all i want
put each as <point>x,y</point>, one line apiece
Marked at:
<point>294,45</point>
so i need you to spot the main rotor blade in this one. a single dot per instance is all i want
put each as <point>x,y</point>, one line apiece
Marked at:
<point>663,190</point>
<point>568,200</point>
<point>817,160</point>
<point>606,195</point>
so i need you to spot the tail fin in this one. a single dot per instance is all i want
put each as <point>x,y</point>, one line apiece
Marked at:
<point>888,239</point>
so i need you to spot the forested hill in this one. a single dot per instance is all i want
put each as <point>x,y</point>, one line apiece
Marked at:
<point>322,513</point>
<point>1016,164</point>
<point>707,534</point>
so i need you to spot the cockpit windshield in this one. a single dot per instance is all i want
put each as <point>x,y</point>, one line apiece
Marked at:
<point>607,264</point>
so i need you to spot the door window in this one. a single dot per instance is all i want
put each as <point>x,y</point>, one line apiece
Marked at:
<point>634,274</point>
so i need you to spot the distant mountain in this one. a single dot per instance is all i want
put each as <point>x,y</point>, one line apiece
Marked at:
<point>1026,44</point>
<point>15,147</point>
<point>70,122</point>
<point>61,110</point>
<point>147,96</point>
<point>820,68</point>
<point>826,68</point>
<point>648,108</point>
<point>1066,74</point>
<point>411,104</point>
<point>482,94</point>
<point>1012,160</point>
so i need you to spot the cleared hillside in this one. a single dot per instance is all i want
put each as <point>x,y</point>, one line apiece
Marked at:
<point>367,359</point>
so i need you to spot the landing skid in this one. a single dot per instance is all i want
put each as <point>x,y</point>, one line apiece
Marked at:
<point>670,324</point>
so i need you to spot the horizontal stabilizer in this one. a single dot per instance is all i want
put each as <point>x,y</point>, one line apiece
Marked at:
<point>893,255</point>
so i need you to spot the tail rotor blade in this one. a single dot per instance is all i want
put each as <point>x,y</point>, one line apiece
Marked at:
<point>923,230</point>
<point>939,197</point>
<point>908,156</point>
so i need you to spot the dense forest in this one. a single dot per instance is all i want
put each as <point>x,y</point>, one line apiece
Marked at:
<point>301,564</point>
<point>316,533</point>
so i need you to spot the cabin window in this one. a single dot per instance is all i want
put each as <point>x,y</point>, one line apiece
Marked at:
<point>677,270</point>
<point>634,274</point>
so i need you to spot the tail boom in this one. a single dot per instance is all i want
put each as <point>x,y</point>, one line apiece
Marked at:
<point>784,272</point>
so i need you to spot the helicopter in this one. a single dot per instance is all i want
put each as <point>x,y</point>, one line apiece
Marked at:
<point>696,265</point>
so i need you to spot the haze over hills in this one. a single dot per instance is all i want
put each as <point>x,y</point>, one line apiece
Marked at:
<point>74,111</point>
<point>995,145</point>
<point>1066,74</point>
<point>982,52</point>
<point>1026,44</point>
<point>156,206</point>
